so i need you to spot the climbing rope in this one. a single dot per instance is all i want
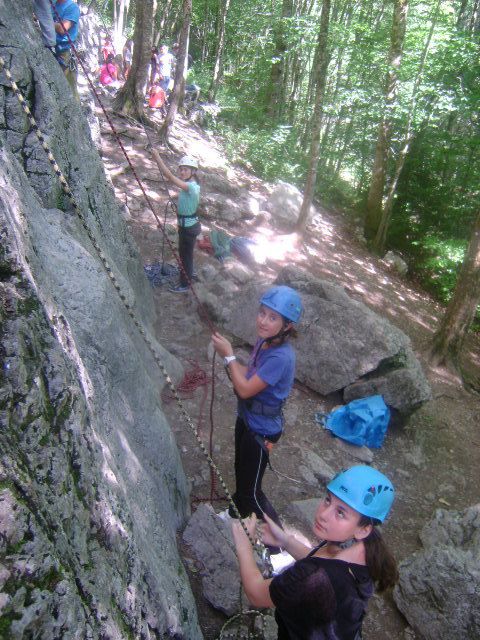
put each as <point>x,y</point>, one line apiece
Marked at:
<point>148,341</point>
<point>193,380</point>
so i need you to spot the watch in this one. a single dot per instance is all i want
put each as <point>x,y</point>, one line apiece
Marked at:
<point>228,359</point>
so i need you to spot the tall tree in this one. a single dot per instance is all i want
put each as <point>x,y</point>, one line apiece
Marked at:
<point>167,17</point>
<point>130,98</point>
<point>223,6</point>
<point>179,86</point>
<point>450,336</point>
<point>322,57</point>
<point>120,12</point>
<point>277,88</point>
<point>377,184</point>
<point>379,241</point>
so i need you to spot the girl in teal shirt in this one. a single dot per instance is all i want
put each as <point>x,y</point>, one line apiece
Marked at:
<point>188,224</point>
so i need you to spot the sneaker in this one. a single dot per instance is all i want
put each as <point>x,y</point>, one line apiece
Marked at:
<point>179,288</point>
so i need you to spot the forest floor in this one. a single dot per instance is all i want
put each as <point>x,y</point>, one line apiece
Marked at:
<point>433,460</point>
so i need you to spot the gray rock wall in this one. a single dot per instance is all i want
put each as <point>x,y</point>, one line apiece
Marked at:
<point>91,486</point>
<point>439,587</point>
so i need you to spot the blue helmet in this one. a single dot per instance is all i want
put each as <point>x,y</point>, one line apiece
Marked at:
<point>285,301</point>
<point>364,489</point>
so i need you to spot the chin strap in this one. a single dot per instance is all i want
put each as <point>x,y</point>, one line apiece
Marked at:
<point>281,334</point>
<point>346,544</point>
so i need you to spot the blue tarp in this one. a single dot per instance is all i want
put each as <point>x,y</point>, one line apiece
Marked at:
<point>361,422</point>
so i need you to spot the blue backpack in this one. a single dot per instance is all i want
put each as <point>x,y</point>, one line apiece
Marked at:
<point>361,422</point>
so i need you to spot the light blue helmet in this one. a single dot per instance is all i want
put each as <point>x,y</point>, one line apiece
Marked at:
<point>285,301</point>
<point>364,489</point>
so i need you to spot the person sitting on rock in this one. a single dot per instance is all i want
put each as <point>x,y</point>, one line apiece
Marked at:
<point>262,388</point>
<point>189,226</point>
<point>156,97</point>
<point>324,594</point>
<point>109,71</point>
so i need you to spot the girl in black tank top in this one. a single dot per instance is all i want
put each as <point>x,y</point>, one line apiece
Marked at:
<point>324,594</point>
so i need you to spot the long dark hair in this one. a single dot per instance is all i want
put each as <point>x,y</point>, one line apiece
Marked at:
<point>381,562</point>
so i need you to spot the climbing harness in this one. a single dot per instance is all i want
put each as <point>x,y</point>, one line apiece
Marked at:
<point>148,341</point>
<point>262,409</point>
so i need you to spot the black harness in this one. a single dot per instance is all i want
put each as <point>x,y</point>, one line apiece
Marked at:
<point>262,409</point>
<point>182,219</point>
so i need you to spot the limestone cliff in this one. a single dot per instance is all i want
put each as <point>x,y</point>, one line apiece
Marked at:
<point>91,485</point>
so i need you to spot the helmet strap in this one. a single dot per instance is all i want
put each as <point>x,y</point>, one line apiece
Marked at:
<point>346,544</point>
<point>281,335</point>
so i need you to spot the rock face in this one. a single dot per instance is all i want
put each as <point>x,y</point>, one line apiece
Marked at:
<point>342,344</point>
<point>439,587</point>
<point>211,543</point>
<point>91,485</point>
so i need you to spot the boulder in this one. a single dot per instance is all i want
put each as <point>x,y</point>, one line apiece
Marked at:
<point>215,182</point>
<point>439,587</point>
<point>284,204</point>
<point>395,263</point>
<point>220,207</point>
<point>228,208</point>
<point>203,112</point>
<point>342,344</point>
<point>89,42</point>
<point>211,544</point>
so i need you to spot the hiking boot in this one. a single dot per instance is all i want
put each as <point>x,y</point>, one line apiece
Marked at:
<point>178,288</point>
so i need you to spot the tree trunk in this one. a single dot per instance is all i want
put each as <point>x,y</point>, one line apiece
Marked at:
<point>321,76</point>
<point>380,239</point>
<point>448,340</point>
<point>119,17</point>
<point>377,185</point>
<point>167,7</point>
<point>129,99</point>
<point>276,89</point>
<point>223,6</point>
<point>179,85</point>
<point>205,30</point>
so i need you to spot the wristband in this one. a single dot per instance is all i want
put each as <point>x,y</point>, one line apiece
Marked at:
<point>228,359</point>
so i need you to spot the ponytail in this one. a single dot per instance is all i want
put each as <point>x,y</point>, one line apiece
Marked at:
<point>381,563</point>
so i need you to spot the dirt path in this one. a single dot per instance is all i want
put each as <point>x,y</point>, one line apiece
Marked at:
<point>433,462</point>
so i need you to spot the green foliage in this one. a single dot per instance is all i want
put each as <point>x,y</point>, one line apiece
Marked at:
<point>270,153</point>
<point>438,264</point>
<point>438,192</point>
